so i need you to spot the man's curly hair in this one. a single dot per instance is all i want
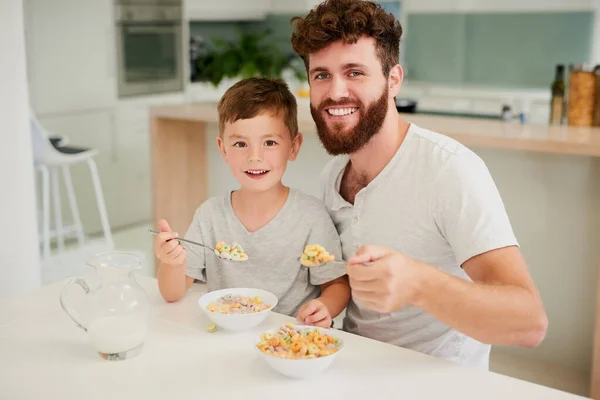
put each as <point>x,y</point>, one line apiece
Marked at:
<point>348,21</point>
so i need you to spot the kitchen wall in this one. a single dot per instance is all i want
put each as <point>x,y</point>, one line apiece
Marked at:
<point>553,202</point>
<point>502,50</point>
<point>20,266</point>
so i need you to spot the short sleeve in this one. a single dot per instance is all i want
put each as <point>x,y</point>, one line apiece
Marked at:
<point>468,209</point>
<point>195,262</point>
<point>323,232</point>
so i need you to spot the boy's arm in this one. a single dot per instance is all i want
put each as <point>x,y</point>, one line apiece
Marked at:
<point>176,278</point>
<point>173,283</point>
<point>335,295</point>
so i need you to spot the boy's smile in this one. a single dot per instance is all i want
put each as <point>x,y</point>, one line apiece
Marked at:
<point>257,173</point>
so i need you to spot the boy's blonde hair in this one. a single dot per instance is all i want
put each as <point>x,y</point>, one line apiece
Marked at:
<point>253,96</point>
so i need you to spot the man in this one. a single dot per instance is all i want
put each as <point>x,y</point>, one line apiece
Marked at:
<point>433,263</point>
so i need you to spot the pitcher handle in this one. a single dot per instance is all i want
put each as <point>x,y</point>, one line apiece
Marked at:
<point>74,315</point>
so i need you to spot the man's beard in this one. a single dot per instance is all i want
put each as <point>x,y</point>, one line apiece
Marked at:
<point>338,139</point>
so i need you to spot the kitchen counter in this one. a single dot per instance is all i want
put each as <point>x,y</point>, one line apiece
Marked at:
<point>180,169</point>
<point>44,355</point>
<point>469,131</point>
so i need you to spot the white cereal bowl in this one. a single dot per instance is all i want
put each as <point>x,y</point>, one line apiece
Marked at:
<point>237,322</point>
<point>301,369</point>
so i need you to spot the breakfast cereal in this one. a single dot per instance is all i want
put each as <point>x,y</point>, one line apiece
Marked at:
<point>298,344</point>
<point>233,252</point>
<point>230,304</point>
<point>315,254</point>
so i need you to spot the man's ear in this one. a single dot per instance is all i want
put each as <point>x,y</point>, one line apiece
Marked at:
<point>296,145</point>
<point>395,80</point>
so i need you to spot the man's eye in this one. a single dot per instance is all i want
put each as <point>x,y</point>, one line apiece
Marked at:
<point>356,73</point>
<point>321,76</point>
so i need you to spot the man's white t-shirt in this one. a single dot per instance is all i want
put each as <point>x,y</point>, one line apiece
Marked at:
<point>436,202</point>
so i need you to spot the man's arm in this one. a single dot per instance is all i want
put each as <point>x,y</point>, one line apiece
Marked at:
<point>501,306</point>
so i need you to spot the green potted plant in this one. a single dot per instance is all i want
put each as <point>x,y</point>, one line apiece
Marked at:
<point>252,54</point>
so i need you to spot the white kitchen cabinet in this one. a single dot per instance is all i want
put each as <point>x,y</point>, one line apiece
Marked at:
<point>225,10</point>
<point>292,6</point>
<point>483,6</point>
<point>70,54</point>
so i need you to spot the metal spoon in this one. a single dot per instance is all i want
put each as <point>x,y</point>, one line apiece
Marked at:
<point>198,244</point>
<point>313,265</point>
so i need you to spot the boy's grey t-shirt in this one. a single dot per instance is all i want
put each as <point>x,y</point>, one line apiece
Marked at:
<point>436,202</point>
<point>273,250</point>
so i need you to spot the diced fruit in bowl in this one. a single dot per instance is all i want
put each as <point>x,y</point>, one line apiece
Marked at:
<point>315,254</point>
<point>237,309</point>
<point>299,351</point>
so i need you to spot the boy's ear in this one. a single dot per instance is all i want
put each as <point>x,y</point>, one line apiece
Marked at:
<point>296,144</point>
<point>221,145</point>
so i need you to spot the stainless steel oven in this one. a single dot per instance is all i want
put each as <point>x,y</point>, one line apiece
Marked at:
<point>149,46</point>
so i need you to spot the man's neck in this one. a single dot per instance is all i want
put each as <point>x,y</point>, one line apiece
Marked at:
<point>370,160</point>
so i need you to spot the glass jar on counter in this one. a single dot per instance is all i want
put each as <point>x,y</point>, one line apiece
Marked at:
<point>582,95</point>
<point>597,106</point>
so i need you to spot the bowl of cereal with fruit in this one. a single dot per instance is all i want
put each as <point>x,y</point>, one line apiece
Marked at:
<point>237,309</point>
<point>299,351</point>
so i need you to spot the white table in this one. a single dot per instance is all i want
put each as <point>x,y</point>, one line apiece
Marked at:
<point>43,355</point>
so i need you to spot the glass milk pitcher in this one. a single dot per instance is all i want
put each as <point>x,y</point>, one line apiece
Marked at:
<point>115,310</point>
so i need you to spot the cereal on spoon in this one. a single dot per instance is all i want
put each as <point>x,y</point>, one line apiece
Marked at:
<point>315,254</point>
<point>233,252</point>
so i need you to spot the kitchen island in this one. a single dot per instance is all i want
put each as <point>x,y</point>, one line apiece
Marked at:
<point>549,178</point>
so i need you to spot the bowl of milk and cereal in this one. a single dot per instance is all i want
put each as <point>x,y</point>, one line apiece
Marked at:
<point>237,309</point>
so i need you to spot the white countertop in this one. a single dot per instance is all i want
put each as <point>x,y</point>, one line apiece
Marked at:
<point>43,355</point>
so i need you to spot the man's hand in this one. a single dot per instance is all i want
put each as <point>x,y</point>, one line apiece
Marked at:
<point>384,279</point>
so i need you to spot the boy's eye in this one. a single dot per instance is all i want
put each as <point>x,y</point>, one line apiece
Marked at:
<point>270,143</point>
<point>239,144</point>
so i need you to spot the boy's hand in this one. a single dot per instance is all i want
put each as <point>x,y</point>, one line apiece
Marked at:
<point>166,249</point>
<point>314,313</point>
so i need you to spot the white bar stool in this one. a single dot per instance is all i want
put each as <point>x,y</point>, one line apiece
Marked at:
<point>53,157</point>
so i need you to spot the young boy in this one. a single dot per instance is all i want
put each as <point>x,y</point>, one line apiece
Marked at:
<point>258,135</point>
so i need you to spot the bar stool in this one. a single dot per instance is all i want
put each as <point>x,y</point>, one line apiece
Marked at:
<point>51,157</point>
